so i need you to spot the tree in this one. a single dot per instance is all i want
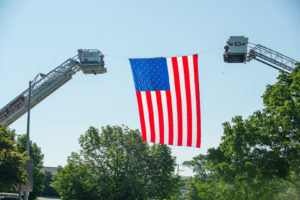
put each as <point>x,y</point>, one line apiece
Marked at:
<point>37,156</point>
<point>258,157</point>
<point>48,190</point>
<point>182,184</point>
<point>161,165</point>
<point>206,185</point>
<point>243,163</point>
<point>265,147</point>
<point>75,181</point>
<point>198,166</point>
<point>116,164</point>
<point>282,122</point>
<point>11,161</point>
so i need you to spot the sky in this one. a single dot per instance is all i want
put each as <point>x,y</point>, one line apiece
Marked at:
<point>37,36</point>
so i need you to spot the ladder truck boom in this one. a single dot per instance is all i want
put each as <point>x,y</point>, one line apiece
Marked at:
<point>90,61</point>
<point>236,52</point>
<point>273,57</point>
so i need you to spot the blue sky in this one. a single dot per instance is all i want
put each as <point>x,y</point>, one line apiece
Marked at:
<point>37,36</point>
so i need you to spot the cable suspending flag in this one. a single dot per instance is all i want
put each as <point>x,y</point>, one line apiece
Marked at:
<point>167,91</point>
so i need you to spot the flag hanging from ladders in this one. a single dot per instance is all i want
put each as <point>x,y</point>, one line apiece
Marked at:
<point>167,91</point>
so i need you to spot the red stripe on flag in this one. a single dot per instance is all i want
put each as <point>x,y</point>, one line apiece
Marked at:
<point>195,59</point>
<point>160,117</point>
<point>178,99</point>
<point>170,116</point>
<point>151,115</point>
<point>188,100</point>
<point>142,117</point>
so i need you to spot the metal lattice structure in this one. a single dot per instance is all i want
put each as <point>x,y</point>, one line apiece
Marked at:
<point>273,57</point>
<point>236,52</point>
<point>44,85</point>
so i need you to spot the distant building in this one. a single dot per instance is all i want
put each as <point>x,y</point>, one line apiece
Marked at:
<point>52,170</point>
<point>49,191</point>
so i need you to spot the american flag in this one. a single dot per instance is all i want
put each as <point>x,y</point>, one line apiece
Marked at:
<point>167,91</point>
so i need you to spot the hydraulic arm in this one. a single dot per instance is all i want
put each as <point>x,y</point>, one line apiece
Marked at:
<point>236,52</point>
<point>272,58</point>
<point>89,61</point>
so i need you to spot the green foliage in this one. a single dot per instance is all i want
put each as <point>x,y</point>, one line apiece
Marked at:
<point>37,156</point>
<point>259,157</point>
<point>11,161</point>
<point>198,166</point>
<point>161,165</point>
<point>75,181</point>
<point>182,184</point>
<point>216,185</point>
<point>282,122</point>
<point>117,164</point>
<point>48,190</point>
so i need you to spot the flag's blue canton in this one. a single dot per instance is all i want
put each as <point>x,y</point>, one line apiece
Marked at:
<point>150,74</point>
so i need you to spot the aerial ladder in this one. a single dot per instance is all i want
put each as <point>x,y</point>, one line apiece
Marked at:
<point>89,61</point>
<point>236,51</point>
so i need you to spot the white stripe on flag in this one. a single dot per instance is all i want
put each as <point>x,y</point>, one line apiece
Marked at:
<point>166,119</point>
<point>156,119</point>
<point>146,116</point>
<point>193,99</point>
<point>174,102</point>
<point>183,101</point>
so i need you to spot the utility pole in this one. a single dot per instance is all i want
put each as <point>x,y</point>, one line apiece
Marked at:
<point>28,120</point>
<point>26,193</point>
